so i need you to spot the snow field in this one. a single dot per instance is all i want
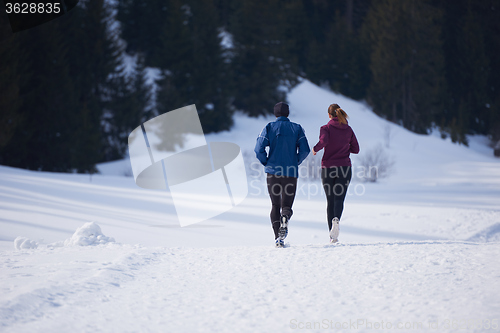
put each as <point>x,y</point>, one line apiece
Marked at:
<point>127,288</point>
<point>48,208</point>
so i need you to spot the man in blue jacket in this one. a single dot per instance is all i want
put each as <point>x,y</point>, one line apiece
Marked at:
<point>288,147</point>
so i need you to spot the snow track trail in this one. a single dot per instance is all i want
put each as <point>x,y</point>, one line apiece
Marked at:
<point>126,288</point>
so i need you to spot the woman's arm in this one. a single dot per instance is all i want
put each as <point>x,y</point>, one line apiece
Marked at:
<point>323,139</point>
<point>354,146</point>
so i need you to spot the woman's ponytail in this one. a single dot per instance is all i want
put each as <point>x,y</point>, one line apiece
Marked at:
<point>335,111</point>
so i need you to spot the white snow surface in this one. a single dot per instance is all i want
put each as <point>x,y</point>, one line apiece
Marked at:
<point>417,251</point>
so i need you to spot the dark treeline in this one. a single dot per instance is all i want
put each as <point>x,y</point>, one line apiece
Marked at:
<point>67,104</point>
<point>419,63</point>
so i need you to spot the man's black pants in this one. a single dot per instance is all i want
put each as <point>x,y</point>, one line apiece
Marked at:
<point>282,192</point>
<point>335,182</point>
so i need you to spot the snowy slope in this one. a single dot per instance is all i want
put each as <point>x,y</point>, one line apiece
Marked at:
<point>422,162</point>
<point>417,247</point>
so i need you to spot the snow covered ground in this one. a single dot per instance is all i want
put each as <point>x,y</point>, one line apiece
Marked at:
<point>127,288</point>
<point>418,250</point>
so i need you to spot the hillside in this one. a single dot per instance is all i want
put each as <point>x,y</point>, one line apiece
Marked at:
<point>419,246</point>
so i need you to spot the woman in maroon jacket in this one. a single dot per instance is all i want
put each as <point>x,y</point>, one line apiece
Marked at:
<point>339,141</point>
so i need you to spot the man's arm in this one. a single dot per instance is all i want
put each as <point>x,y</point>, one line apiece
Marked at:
<point>260,146</point>
<point>303,146</point>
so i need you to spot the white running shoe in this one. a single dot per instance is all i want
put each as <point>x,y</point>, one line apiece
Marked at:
<point>283,231</point>
<point>334,233</point>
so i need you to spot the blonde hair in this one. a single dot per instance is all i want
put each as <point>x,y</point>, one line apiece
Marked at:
<point>335,111</point>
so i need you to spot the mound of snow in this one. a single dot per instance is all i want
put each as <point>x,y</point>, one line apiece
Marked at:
<point>88,234</point>
<point>24,243</point>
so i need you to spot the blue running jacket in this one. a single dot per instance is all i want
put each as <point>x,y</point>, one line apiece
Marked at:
<point>288,147</point>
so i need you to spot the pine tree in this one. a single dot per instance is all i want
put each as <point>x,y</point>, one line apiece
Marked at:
<point>10,79</point>
<point>348,71</point>
<point>338,56</point>
<point>63,78</point>
<point>95,65</point>
<point>261,64</point>
<point>491,34</point>
<point>42,140</point>
<point>407,67</point>
<point>193,68</point>
<point>295,35</point>
<point>129,106</point>
<point>142,25</point>
<point>467,69</point>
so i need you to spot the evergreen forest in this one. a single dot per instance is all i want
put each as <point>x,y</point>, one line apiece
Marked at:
<point>69,97</point>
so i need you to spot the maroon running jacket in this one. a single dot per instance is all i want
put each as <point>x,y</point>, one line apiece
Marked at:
<point>339,141</point>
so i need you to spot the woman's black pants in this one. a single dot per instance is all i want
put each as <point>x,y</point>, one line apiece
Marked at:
<point>335,183</point>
